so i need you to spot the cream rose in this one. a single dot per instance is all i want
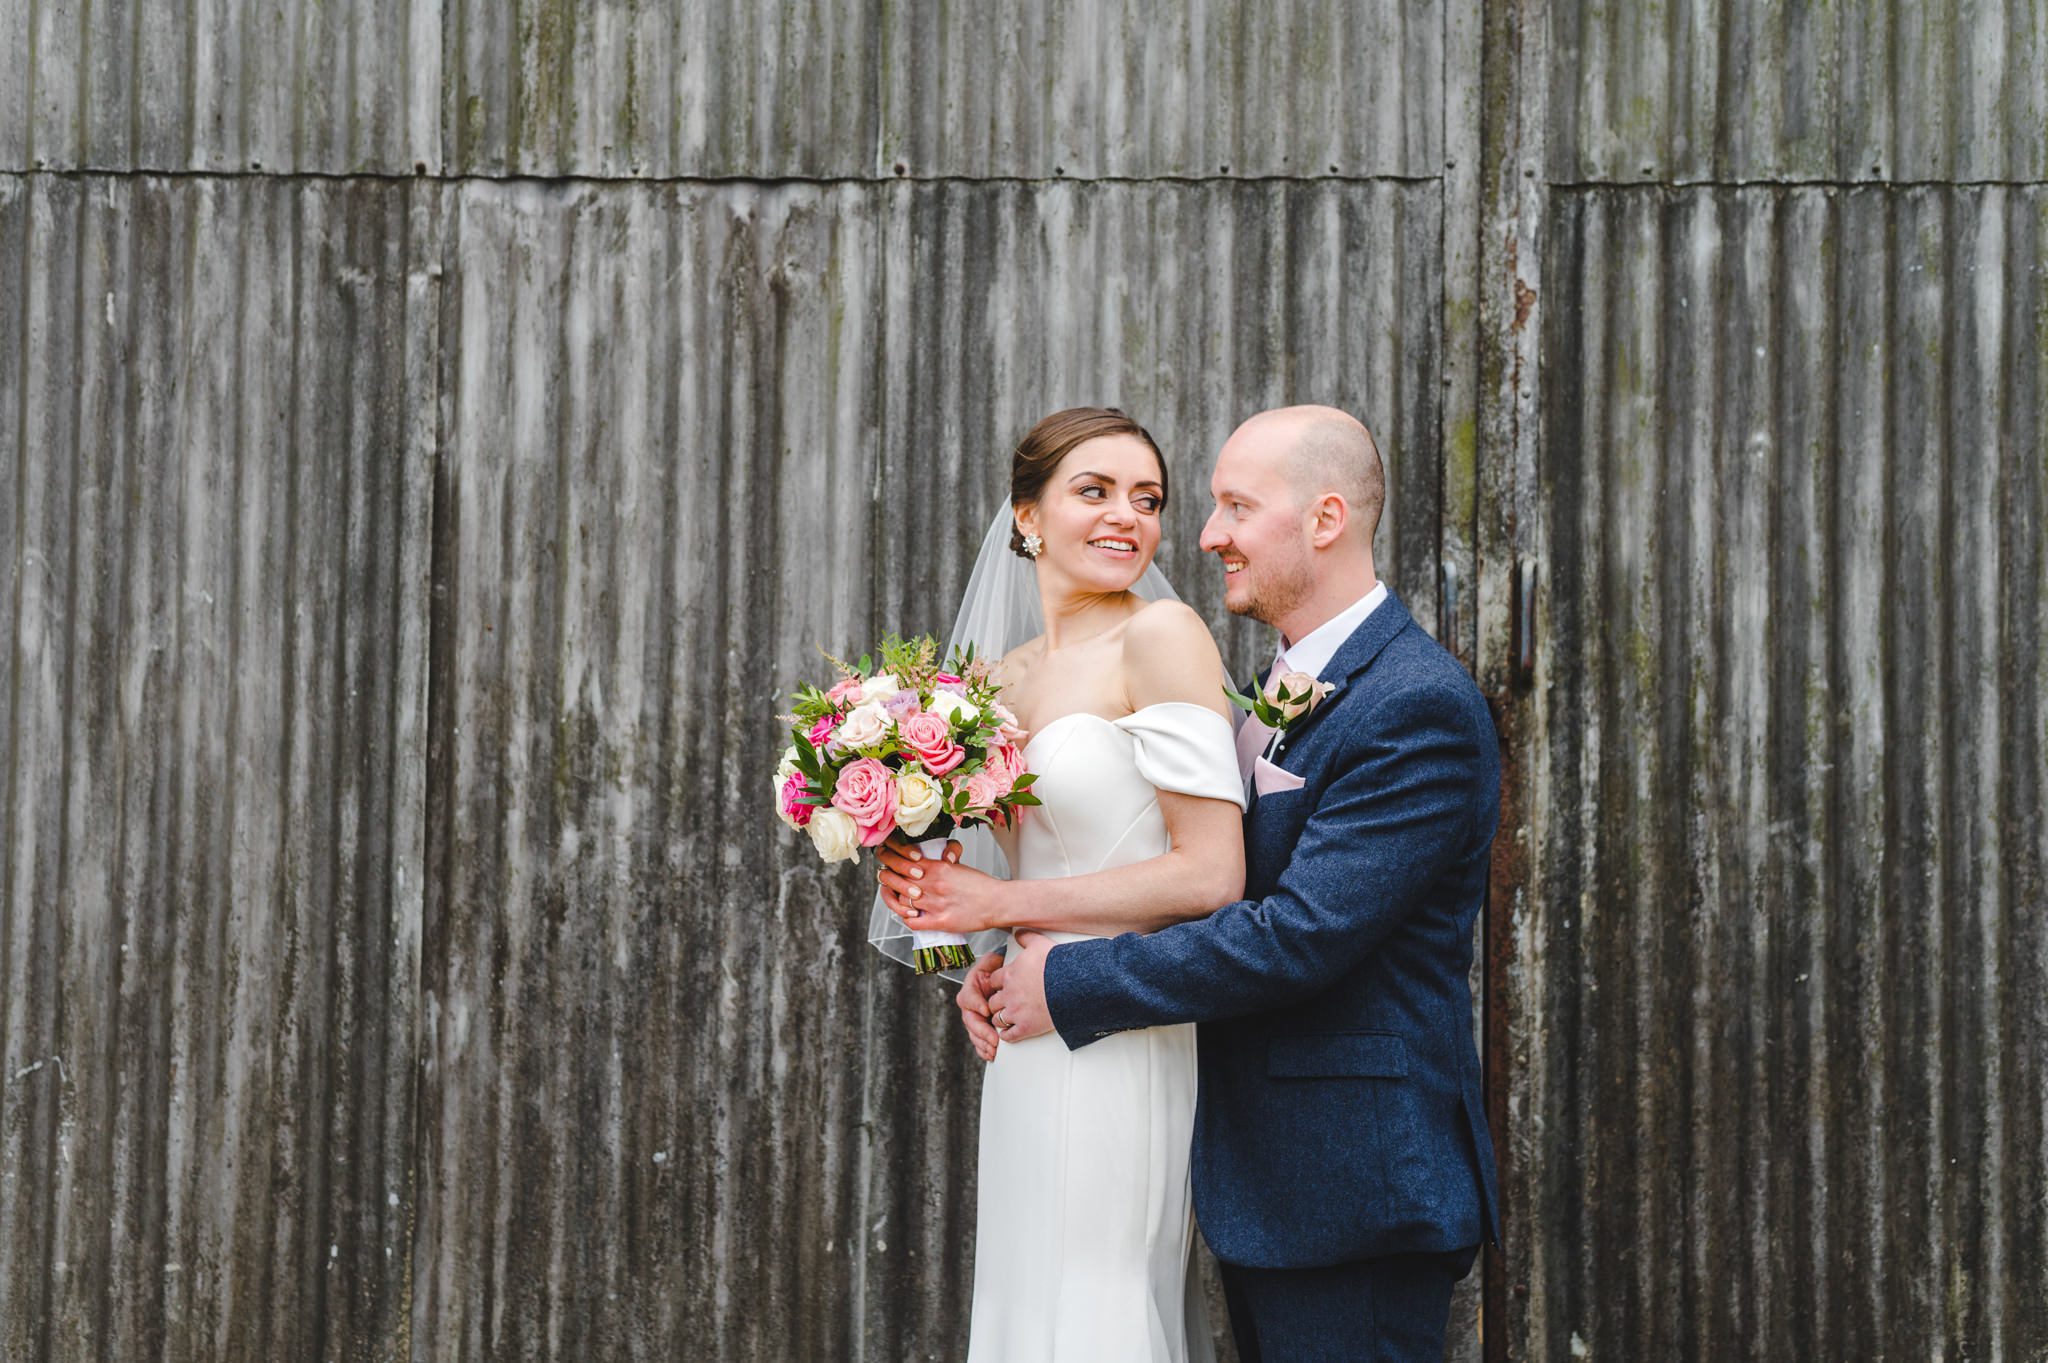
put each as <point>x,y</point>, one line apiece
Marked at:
<point>835,835</point>
<point>1304,694</point>
<point>917,803</point>
<point>881,686</point>
<point>863,727</point>
<point>956,708</point>
<point>786,768</point>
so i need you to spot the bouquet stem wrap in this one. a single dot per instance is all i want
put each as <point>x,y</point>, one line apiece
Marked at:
<point>937,951</point>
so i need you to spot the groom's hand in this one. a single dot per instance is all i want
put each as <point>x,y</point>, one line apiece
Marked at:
<point>1017,1006</point>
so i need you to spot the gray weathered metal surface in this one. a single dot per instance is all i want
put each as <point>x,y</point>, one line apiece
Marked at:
<point>685,435</point>
<point>397,568</point>
<point>1853,91</point>
<point>221,85</point>
<point>819,88</point>
<point>1779,1045</point>
<point>214,504</point>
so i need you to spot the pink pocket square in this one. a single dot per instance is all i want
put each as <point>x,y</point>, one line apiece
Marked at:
<point>1268,779</point>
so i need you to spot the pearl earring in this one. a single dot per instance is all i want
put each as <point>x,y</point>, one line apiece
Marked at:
<point>1033,545</point>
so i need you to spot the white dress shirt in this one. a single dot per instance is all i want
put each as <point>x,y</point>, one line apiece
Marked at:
<point>1314,652</point>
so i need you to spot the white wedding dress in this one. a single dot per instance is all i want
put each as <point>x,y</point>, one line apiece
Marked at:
<point>1083,1243</point>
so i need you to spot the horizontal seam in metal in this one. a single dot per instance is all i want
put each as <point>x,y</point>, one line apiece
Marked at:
<point>89,172</point>
<point>1576,185</point>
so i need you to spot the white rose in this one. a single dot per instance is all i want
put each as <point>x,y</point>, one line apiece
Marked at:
<point>786,768</point>
<point>917,802</point>
<point>1305,693</point>
<point>835,835</point>
<point>881,686</point>
<point>863,727</point>
<point>956,708</point>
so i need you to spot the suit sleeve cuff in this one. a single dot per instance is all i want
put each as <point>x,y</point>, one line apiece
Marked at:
<point>1073,978</point>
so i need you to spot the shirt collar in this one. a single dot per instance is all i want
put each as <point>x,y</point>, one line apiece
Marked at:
<point>1320,644</point>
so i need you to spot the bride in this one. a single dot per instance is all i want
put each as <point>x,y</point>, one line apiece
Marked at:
<point>1084,1229</point>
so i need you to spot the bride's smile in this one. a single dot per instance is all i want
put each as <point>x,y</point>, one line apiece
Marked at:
<point>1097,520</point>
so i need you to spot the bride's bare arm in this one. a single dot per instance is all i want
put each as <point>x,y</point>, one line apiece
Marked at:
<point>1168,656</point>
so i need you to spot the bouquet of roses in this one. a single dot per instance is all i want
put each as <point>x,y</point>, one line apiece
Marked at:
<point>908,747</point>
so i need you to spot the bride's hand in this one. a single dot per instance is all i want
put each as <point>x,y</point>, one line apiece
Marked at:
<point>973,1003</point>
<point>938,896</point>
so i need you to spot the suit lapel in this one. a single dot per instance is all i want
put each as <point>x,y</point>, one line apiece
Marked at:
<point>1352,657</point>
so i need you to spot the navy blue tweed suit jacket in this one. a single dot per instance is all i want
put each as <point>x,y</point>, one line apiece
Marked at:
<point>1338,1115</point>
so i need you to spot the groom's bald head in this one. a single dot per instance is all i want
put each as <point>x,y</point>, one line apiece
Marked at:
<point>1326,451</point>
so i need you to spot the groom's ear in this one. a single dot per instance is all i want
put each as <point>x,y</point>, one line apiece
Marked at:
<point>1329,517</point>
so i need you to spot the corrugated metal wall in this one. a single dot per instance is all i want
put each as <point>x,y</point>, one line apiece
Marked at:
<point>216,502</point>
<point>395,602</point>
<point>1769,976</point>
<point>399,553</point>
<point>1784,1002</point>
<point>806,88</point>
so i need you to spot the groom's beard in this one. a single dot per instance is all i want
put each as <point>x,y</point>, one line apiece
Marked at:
<point>1281,587</point>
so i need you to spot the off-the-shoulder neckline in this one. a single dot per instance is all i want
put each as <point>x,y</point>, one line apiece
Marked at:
<point>1121,720</point>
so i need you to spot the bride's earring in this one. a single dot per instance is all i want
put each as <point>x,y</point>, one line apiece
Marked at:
<point>1033,545</point>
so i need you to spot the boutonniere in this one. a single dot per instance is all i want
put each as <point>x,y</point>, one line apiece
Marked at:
<point>1287,698</point>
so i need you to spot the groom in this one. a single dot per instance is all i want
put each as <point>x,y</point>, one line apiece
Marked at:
<point>1343,1173</point>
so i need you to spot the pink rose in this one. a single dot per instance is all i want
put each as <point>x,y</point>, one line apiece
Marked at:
<point>1011,763</point>
<point>789,800</point>
<point>866,793</point>
<point>984,788</point>
<point>846,689</point>
<point>821,732</point>
<point>930,739</point>
<point>946,679</point>
<point>1007,727</point>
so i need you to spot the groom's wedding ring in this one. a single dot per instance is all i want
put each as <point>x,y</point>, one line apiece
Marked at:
<point>1001,1025</point>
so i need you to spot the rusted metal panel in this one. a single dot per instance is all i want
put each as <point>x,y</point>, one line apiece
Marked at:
<point>1777,1039</point>
<point>213,519</point>
<point>695,433</point>
<point>1892,90</point>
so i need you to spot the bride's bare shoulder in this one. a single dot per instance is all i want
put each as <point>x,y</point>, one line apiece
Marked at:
<point>1169,627</point>
<point>1169,655</point>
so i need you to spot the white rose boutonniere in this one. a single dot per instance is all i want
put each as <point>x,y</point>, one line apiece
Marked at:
<point>1287,698</point>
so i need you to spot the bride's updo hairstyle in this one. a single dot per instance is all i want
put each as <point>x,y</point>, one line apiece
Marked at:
<point>1044,445</point>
